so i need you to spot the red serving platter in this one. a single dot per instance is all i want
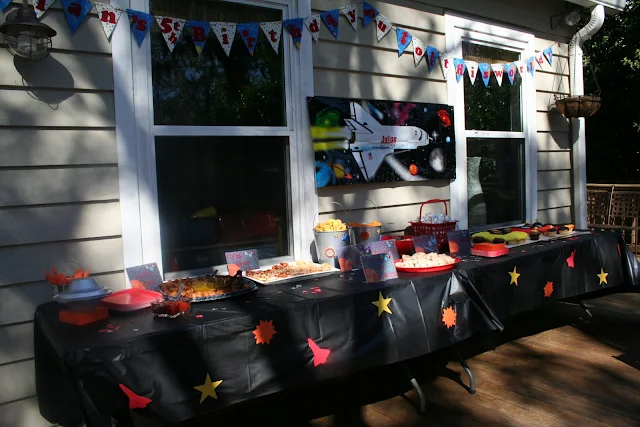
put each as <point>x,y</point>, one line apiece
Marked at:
<point>427,269</point>
<point>131,299</point>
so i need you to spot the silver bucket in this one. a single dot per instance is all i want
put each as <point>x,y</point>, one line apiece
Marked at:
<point>328,243</point>
<point>366,235</point>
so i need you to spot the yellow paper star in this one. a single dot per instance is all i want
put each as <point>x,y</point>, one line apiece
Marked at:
<point>603,277</point>
<point>514,276</point>
<point>208,389</point>
<point>382,304</point>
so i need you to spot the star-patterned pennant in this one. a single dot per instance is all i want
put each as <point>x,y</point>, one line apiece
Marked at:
<point>522,68</point>
<point>432,57</point>
<point>382,304</point>
<point>313,24</point>
<point>531,65</point>
<point>264,332</point>
<point>485,73</point>
<point>109,17</point>
<point>472,70</point>
<point>383,26</point>
<point>208,389</point>
<point>460,68</point>
<point>446,63</point>
<point>351,13</point>
<point>171,29</point>
<point>548,289</point>
<point>41,6</point>
<point>548,54</point>
<point>540,58</point>
<point>75,11</point>
<point>514,276</point>
<point>249,33</point>
<point>140,24</point>
<point>418,50</point>
<point>320,355</point>
<point>273,31</point>
<point>511,71</point>
<point>225,33</point>
<point>498,71</point>
<point>369,13</point>
<point>404,39</point>
<point>449,317</point>
<point>200,31</point>
<point>330,18</point>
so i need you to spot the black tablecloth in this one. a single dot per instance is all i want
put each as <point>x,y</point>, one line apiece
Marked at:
<point>163,360</point>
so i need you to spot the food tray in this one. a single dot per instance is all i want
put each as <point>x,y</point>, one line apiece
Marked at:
<point>293,278</point>
<point>131,299</point>
<point>489,250</point>
<point>252,287</point>
<point>427,269</point>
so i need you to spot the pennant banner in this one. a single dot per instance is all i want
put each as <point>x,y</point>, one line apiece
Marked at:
<point>76,11</point>
<point>548,53</point>
<point>249,33</point>
<point>522,68</point>
<point>351,13</point>
<point>4,4</point>
<point>41,6</point>
<point>418,50</point>
<point>225,33</point>
<point>109,17</point>
<point>432,57</point>
<point>171,29</point>
<point>446,63</point>
<point>485,72</point>
<point>369,13</point>
<point>540,59</point>
<point>383,25</point>
<point>200,32</point>
<point>330,18</point>
<point>511,70</point>
<point>404,39</point>
<point>313,25</point>
<point>460,68</point>
<point>140,24</point>
<point>498,71</point>
<point>531,65</point>
<point>295,27</point>
<point>273,32</point>
<point>472,69</point>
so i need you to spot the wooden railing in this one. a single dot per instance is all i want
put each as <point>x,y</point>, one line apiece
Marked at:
<point>615,207</point>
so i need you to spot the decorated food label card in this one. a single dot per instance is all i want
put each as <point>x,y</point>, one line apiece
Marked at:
<point>145,276</point>
<point>349,257</point>
<point>384,247</point>
<point>459,242</point>
<point>379,267</point>
<point>427,244</point>
<point>242,260</point>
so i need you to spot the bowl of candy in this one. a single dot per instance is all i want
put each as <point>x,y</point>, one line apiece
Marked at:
<point>170,309</point>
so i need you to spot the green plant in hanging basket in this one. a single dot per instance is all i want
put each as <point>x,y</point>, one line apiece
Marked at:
<point>578,106</point>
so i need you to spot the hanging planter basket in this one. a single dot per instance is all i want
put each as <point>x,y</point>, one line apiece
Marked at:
<point>578,106</point>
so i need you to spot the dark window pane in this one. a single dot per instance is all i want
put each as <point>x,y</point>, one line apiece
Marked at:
<point>495,181</point>
<point>496,108</point>
<point>221,194</point>
<point>216,90</point>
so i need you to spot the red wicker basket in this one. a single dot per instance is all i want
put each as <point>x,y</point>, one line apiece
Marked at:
<point>440,230</point>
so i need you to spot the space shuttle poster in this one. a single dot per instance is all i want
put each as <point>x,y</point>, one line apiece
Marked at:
<point>357,142</point>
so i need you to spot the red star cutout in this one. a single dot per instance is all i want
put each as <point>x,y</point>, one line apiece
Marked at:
<point>571,260</point>
<point>320,355</point>
<point>135,401</point>
<point>548,289</point>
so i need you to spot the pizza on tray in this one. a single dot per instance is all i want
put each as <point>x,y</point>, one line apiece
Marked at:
<point>286,270</point>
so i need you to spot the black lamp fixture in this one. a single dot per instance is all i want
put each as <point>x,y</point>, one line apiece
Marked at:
<point>26,37</point>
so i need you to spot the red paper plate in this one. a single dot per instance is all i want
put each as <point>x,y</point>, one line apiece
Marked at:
<point>427,269</point>
<point>131,299</point>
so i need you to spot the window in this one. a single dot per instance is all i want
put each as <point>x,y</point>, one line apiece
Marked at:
<point>213,141</point>
<point>497,185</point>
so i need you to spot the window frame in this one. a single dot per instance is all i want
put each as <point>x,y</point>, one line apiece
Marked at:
<point>136,132</point>
<point>457,30</point>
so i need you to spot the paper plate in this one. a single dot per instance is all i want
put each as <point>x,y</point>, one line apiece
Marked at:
<point>427,269</point>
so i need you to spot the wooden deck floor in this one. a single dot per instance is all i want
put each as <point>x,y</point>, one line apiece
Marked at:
<point>554,369</point>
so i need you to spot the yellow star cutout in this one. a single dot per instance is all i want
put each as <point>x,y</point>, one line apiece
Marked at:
<point>208,389</point>
<point>514,276</point>
<point>382,304</point>
<point>603,277</point>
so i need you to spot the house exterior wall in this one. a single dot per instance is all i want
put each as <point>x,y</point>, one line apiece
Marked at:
<point>58,159</point>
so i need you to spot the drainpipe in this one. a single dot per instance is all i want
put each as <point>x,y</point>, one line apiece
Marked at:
<point>578,125</point>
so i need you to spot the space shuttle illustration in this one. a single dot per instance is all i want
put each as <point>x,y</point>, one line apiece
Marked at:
<point>370,142</point>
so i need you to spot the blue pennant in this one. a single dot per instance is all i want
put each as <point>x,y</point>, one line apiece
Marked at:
<point>140,24</point>
<point>76,11</point>
<point>548,53</point>
<point>294,26</point>
<point>4,4</point>
<point>369,13</point>
<point>531,66</point>
<point>404,38</point>
<point>200,32</point>
<point>485,72</point>
<point>460,68</point>
<point>432,57</point>
<point>330,18</point>
<point>511,71</point>
<point>249,33</point>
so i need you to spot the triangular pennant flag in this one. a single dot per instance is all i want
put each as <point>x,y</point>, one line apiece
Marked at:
<point>540,58</point>
<point>295,27</point>
<point>76,11</point>
<point>171,29</point>
<point>432,57</point>
<point>404,38</point>
<point>472,69</point>
<point>485,72</point>
<point>225,33</point>
<point>351,12</point>
<point>548,53</point>
<point>460,67</point>
<point>200,30</point>
<point>418,50</point>
<point>109,17</point>
<point>140,24</point>
<point>511,70</point>
<point>249,33</point>
<point>41,6</point>
<point>383,25</point>
<point>330,18</point>
<point>498,71</point>
<point>313,24</point>
<point>531,65</point>
<point>369,13</point>
<point>4,4</point>
<point>273,32</point>
<point>446,63</point>
<point>522,68</point>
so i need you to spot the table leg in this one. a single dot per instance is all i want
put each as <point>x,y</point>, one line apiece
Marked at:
<point>422,405</point>
<point>467,370</point>
<point>582,306</point>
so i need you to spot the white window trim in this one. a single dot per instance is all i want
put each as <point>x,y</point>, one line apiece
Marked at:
<point>135,133</point>
<point>457,28</point>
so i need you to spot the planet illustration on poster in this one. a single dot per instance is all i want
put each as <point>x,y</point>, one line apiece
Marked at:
<point>438,160</point>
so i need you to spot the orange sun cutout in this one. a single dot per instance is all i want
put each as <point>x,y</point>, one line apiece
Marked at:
<point>449,317</point>
<point>548,289</point>
<point>264,332</point>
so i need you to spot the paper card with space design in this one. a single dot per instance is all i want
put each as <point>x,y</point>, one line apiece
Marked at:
<point>427,244</point>
<point>384,247</point>
<point>146,276</point>
<point>349,257</point>
<point>242,260</point>
<point>379,268</point>
<point>459,242</point>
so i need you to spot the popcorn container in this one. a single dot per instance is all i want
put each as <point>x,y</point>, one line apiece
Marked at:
<point>366,233</point>
<point>328,242</point>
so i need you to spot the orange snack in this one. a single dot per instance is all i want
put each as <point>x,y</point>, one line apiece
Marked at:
<point>371,224</point>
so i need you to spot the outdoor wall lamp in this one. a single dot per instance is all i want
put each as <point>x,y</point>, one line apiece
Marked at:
<point>26,37</point>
